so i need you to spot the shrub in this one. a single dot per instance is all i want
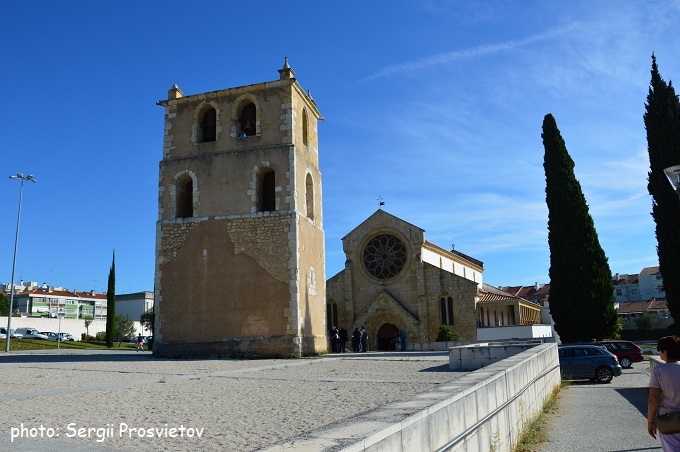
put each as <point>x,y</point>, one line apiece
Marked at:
<point>101,336</point>
<point>446,335</point>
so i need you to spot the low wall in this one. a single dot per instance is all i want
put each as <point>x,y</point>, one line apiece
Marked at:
<point>75,327</point>
<point>445,346</point>
<point>473,357</point>
<point>482,410</point>
<point>515,332</point>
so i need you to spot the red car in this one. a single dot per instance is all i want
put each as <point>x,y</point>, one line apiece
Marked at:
<point>627,352</point>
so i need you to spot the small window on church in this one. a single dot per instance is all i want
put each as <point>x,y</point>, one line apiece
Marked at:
<point>185,197</point>
<point>309,195</point>
<point>305,126</point>
<point>247,120</point>
<point>446,308</point>
<point>266,190</point>
<point>208,126</point>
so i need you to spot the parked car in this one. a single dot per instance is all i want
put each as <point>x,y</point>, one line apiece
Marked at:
<point>627,352</point>
<point>12,333</point>
<point>51,336</point>
<point>593,362</point>
<point>67,337</point>
<point>31,333</point>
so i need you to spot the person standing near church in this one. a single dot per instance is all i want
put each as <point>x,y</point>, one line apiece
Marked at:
<point>342,339</point>
<point>356,339</point>
<point>333,333</point>
<point>364,340</point>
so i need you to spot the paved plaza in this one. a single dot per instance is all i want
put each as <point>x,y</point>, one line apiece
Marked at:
<point>127,400</point>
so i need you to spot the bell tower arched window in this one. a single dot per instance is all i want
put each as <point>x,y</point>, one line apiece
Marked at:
<point>184,193</point>
<point>248,120</point>
<point>266,190</point>
<point>446,307</point>
<point>208,126</point>
<point>309,196</point>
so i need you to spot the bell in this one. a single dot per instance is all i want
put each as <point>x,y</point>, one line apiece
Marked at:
<point>248,128</point>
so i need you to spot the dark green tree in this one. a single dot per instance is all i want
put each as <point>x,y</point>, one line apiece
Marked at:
<point>662,121</point>
<point>111,305</point>
<point>645,322</point>
<point>4,305</point>
<point>147,320</point>
<point>581,288</point>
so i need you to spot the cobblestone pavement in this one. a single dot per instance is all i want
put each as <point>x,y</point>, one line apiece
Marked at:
<point>603,417</point>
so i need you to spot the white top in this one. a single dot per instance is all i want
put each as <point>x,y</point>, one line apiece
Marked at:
<point>667,378</point>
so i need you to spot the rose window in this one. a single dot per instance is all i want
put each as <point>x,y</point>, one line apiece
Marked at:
<point>384,256</point>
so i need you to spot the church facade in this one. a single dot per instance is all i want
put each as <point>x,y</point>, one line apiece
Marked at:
<point>240,263</point>
<point>397,283</point>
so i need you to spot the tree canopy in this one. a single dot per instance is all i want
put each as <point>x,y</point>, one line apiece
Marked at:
<point>111,304</point>
<point>4,305</point>
<point>662,122</point>
<point>581,288</point>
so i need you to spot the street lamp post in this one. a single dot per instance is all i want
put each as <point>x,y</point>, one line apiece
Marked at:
<point>60,314</point>
<point>673,175</point>
<point>22,178</point>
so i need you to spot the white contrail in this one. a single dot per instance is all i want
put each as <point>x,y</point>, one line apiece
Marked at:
<point>448,57</point>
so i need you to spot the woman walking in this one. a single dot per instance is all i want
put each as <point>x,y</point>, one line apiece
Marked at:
<point>664,393</point>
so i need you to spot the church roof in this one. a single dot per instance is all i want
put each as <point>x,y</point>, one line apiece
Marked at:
<point>456,254</point>
<point>381,213</point>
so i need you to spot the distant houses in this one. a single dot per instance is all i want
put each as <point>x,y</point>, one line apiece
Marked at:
<point>634,294</point>
<point>33,300</point>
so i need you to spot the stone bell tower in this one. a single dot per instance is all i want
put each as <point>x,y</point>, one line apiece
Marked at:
<point>240,259</point>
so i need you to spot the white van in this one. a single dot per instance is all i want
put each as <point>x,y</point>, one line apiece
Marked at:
<point>13,334</point>
<point>31,333</point>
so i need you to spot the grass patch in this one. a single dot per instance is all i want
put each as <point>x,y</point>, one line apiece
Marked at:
<point>17,345</point>
<point>535,431</point>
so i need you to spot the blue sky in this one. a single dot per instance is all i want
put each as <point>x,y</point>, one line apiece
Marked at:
<point>434,106</point>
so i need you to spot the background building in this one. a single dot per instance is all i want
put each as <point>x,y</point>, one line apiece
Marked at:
<point>395,282</point>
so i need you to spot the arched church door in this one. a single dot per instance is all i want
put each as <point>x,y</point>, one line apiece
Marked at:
<point>386,335</point>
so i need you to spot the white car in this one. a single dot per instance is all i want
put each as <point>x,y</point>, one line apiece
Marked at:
<point>67,337</point>
<point>12,334</point>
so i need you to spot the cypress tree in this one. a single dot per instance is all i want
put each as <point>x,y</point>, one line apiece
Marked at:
<point>111,304</point>
<point>662,121</point>
<point>581,288</point>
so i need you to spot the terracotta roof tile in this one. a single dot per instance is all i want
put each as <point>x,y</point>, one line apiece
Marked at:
<point>650,271</point>
<point>630,307</point>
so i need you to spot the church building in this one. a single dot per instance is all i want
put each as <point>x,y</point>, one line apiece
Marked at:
<point>397,283</point>
<point>240,264</point>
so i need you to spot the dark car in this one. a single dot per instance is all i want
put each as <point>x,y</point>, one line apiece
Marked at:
<point>593,362</point>
<point>627,352</point>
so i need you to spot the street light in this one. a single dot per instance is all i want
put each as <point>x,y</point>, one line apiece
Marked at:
<point>22,178</point>
<point>673,175</point>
